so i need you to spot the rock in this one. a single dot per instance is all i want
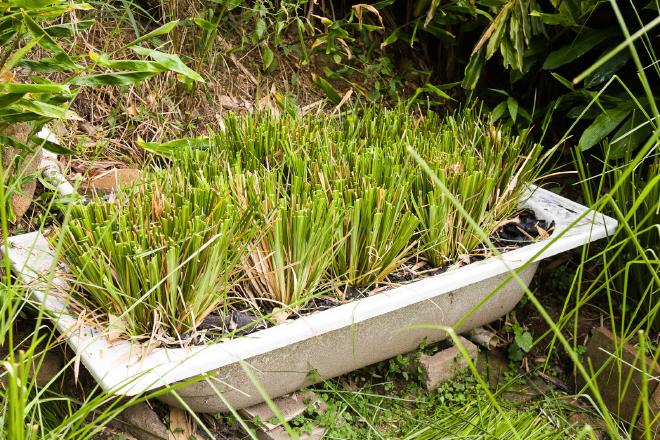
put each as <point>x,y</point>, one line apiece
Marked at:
<point>581,419</point>
<point>290,406</point>
<point>47,363</point>
<point>609,380</point>
<point>444,365</point>
<point>20,164</point>
<point>279,433</point>
<point>110,181</point>
<point>51,365</point>
<point>143,423</point>
<point>654,417</point>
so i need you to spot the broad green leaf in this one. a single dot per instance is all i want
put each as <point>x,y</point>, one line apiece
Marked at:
<point>130,65</point>
<point>51,146</point>
<point>391,39</point>
<point>499,31</point>
<point>330,92</point>
<point>33,4</point>
<point>605,72</point>
<point>560,19</point>
<point>33,88</point>
<point>260,29</point>
<point>603,125</point>
<point>6,141</point>
<point>437,91</point>
<point>624,45</point>
<point>512,105</point>
<point>525,114</point>
<point>68,29</point>
<point>170,61</point>
<point>204,24</point>
<point>473,70</point>
<point>232,4</point>
<point>112,79</point>
<point>498,111</point>
<point>47,42</point>
<point>583,43</point>
<point>10,98</point>
<point>18,55</point>
<point>564,81</point>
<point>268,57</point>
<point>509,53</point>
<point>164,29</point>
<point>46,110</point>
<point>46,65</point>
<point>632,133</point>
<point>524,341</point>
<point>12,115</point>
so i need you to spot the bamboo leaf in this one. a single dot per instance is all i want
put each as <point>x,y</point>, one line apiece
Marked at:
<point>603,125</point>
<point>605,72</point>
<point>33,88</point>
<point>581,45</point>
<point>51,146</point>
<point>632,133</point>
<point>333,96</point>
<point>162,30</point>
<point>268,57</point>
<point>512,105</point>
<point>112,79</point>
<point>46,110</point>
<point>170,61</point>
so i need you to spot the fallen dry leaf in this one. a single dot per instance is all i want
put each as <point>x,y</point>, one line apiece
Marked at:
<point>132,110</point>
<point>542,232</point>
<point>280,315</point>
<point>116,327</point>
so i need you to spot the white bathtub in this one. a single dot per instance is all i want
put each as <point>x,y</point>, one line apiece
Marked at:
<point>330,343</point>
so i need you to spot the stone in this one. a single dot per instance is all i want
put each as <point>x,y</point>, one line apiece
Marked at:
<point>444,365</point>
<point>598,425</point>
<point>290,406</point>
<point>20,164</point>
<point>49,365</point>
<point>46,363</point>
<point>110,181</point>
<point>279,433</point>
<point>143,423</point>
<point>608,380</point>
<point>654,417</point>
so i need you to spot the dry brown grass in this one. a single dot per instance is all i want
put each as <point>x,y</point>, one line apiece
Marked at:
<point>161,108</point>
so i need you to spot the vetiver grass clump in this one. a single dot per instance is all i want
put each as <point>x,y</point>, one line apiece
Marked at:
<point>270,213</point>
<point>289,259</point>
<point>160,257</point>
<point>483,167</point>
